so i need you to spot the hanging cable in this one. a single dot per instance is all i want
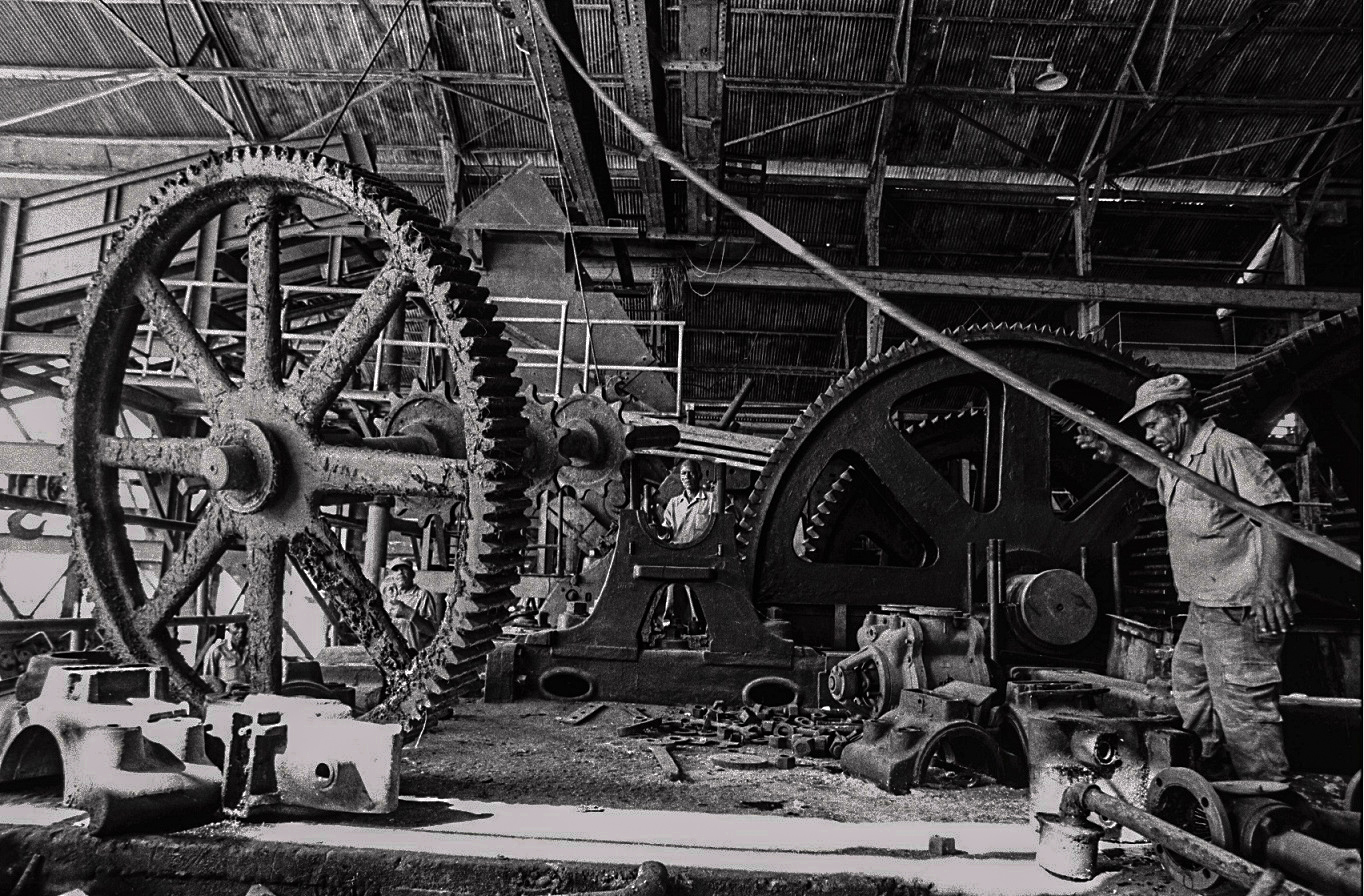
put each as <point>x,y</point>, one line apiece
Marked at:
<point>654,147</point>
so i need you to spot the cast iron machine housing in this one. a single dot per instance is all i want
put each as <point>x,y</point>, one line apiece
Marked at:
<point>718,648</point>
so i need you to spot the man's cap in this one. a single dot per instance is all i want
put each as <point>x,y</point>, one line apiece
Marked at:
<point>400,564</point>
<point>1174,387</point>
<point>690,462</point>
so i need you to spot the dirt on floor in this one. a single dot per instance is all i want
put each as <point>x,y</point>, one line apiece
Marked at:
<point>519,753</point>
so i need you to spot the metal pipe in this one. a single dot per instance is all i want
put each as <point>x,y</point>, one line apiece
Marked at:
<point>1320,865</point>
<point>1090,798</point>
<point>732,411</point>
<point>970,597</point>
<point>653,146</point>
<point>1117,578</point>
<point>994,586</point>
<point>376,539</point>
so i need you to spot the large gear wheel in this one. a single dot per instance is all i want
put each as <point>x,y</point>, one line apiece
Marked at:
<point>880,485</point>
<point>259,442</point>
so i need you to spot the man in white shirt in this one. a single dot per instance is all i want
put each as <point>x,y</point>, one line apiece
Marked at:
<point>688,516</point>
<point>224,663</point>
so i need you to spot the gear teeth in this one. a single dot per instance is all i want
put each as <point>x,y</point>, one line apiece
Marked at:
<point>765,492</point>
<point>494,429</point>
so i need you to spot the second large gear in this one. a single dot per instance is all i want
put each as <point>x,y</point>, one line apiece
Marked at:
<point>879,487</point>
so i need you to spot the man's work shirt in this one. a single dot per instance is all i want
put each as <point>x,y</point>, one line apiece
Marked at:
<point>404,605</point>
<point>1215,552</point>
<point>689,518</point>
<point>224,663</point>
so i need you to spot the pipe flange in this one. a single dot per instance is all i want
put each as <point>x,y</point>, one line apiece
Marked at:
<point>1186,800</point>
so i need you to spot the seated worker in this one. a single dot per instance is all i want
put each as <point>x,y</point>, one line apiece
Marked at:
<point>688,516</point>
<point>224,662</point>
<point>414,611</point>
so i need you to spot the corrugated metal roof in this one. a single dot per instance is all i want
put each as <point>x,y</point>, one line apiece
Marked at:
<point>958,197</point>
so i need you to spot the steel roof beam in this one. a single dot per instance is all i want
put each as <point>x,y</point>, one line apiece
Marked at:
<point>701,39</point>
<point>574,127</point>
<point>1230,40</point>
<point>986,287</point>
<point>643,92</point>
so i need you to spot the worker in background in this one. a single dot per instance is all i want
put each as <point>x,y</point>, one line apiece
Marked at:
<point>414,611</point>
<point>224,664</point>
<point>688,516</point>
<point>686,520</point>
<point>1232,571</point>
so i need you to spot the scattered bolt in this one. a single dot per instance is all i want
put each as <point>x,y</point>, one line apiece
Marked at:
<point>786,761</point>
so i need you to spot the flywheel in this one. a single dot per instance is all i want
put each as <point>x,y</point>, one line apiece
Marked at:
<point>240,423</point>
<point>880,486</point>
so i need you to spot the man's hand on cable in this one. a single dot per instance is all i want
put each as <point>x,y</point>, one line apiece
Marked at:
<point>1272,609</point>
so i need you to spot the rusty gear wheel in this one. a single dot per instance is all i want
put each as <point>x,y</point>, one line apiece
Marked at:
<point>258,442</point>
<point>432,414</point>
<point>876,490</point>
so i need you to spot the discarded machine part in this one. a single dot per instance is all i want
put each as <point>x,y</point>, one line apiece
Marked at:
<point>1067,845</point>
<point>267,459</point>
<point>126,753</point>
<point>1249,819</point>
<point>632,649</point>
<point>1082,799</point>
<point>302,753</point>
<point>908,648</point>
<point>928,740</point>
<point>863,502</point>
<point>1058,733</point>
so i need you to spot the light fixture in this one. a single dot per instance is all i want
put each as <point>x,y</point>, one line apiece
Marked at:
<point>1051,79</point>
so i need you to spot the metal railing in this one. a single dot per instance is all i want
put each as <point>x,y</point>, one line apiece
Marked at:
<point>555,357</point>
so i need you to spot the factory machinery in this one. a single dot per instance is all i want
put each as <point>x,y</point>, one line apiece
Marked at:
<point>923,545</point>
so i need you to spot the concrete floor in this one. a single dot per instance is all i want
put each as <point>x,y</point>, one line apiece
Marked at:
<point>505,799</point>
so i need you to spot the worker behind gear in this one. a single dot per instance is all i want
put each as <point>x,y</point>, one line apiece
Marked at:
<point>1232,571</point>
<point>415,611</point>
<point>688,516</point>
<point>223,666</point>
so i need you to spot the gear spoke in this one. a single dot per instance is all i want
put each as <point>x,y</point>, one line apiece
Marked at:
<point>188,567</point>
<point>264,599</point>
<point>367,473</point>
<point>1020,439</point>
<point>186,345</point>
<point>909,477</point>
<point>350,596</point>
<point>331,367</point>
<point>262,366</point>
<point>156,455</point>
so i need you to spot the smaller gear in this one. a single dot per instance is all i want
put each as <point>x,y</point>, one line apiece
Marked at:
<point>430,414</point>
<point>591,441</point>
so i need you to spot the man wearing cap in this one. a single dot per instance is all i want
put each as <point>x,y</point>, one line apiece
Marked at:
<point>414,610</point>
<point>1231,570</point>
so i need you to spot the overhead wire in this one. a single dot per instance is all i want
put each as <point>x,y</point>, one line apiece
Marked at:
<point>653,146</point>
<point>364,76</point>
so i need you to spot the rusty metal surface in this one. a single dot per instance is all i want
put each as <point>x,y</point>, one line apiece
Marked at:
<point>264,447</point>
<point>1062,732</point>
<point>127,754</point>
<point>626,650</point>
<point>304,753</point>
<point>870,463</point>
